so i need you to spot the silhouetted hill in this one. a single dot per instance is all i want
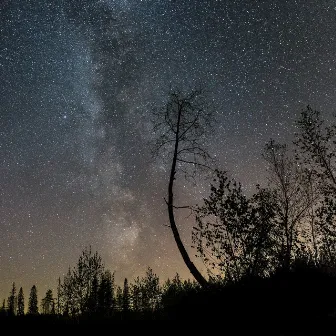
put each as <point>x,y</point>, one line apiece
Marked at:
<point>303,298</point>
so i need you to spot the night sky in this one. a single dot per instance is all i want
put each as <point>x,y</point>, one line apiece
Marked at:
<point>78,82</point>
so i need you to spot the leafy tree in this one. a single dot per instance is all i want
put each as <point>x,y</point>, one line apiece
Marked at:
<point>235,235</point>
<point>68,295</point>
<point>181,128</point>
<point>92,305</point>
<point>175,291</point>
<point>146,292</point>
<point>151,290</point>
<point>20,308</point>
<point>48,304</point>
<point>106,300</point>
<point>12,300</point>
<point>88,268</point>
<point>171,290</point>
<point>78,284</point>
<point>33,303</point>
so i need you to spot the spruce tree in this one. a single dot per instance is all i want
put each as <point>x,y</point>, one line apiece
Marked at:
<point>3,310</point>
<point>20,308</point>
<point>126,297</point>
<point>11,301</point>
<point>33,303</point>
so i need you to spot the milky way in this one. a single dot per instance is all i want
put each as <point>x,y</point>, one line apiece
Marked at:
<point>78,82</point>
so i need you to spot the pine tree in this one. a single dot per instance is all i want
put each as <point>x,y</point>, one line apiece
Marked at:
<point>3,310</point>
<point>11,301</point>
<point>47,303</point>
<point>126,297</point>
<point>59,294</point>
<point>136,294</point>
<point>119,298</point>
<point>20,308</point>
<point>33,303</point>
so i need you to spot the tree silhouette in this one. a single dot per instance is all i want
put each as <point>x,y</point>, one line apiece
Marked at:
<point>136,295</point>
<point>316,146</point>
<point>181,128</point>
<point>58,298</point>
<point>151,290</point>
<point>92,304</point>
<point>316,151</point>
<point>33,303</point>
<point>171,290</point>
<point>290,183</point>
<point>48,304</point>
<point>146,292</point>
<point>68,295</point>
<point>106,300</point>
<point>3,310</point>
<point>234,235</point>
<point>12,300</point>
<point>20,307</point>
<point>126,300</point>
<point>119,298</point>
<point>78,283</point>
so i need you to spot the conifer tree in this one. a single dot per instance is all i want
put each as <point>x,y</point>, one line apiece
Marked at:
<point>126,297</point>
<point>33,303</point>
<point>11,300</point>
<point>20,308</point>
<point>47,303</point>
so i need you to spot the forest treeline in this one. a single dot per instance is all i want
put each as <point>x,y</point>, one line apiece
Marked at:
<point>269,256</point>
<point>88,290</point>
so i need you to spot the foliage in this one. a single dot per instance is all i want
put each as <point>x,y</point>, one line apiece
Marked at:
<point>47,303</point>
<point>106,299</point>
<point>20,305</point>
<point>234,235</point>
<point>33,302</point>
<point>11,302</point>
<point>263,252</point>
<point>81,283</point>
<point>316,151</point>
<point>146,292</point>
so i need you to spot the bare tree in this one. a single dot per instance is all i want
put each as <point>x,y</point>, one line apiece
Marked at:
<point>316,151</point>
<point>181,128</point>
<point>290,184</point>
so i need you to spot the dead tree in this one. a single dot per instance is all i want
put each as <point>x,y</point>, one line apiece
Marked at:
<point>181,129</point>
<point>290,184</point>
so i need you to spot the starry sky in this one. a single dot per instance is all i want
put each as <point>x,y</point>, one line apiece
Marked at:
<point>78,82</point>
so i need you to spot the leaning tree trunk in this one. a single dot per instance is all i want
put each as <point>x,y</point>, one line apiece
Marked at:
<point>192,268</point>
